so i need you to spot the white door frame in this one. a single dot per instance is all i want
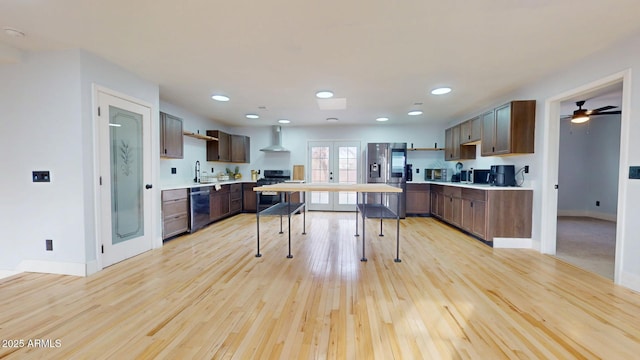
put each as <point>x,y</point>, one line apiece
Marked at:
<point>333,166</point>
<point>151,193</point>
<point>550,171</point>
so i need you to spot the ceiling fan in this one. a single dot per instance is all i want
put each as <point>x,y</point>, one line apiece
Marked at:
<point>582,115</point>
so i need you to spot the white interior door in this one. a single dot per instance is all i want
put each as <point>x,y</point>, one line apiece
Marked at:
<point>333,162</point>
<point>125,177</point>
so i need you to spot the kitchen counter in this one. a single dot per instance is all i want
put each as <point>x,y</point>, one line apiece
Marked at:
<point>192,185</point>
<point>471,186</point>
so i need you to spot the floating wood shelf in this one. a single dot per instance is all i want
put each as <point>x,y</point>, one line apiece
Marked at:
<point>425,149</point>
<point>199,136</point>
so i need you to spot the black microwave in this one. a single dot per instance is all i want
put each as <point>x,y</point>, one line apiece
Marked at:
<point>481,176</point>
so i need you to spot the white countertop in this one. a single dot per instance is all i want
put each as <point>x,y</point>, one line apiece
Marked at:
<point>470,186</point>
<point>192,185</point>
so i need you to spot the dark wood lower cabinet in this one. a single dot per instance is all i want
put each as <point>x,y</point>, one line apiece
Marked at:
<point>486,214</point>
<point>175,212</point>
<point>418,199</point>
<point>235,198</point>
<point>474,212</point>
<point>452,206</point>
<point>437,200</point>
<point>249,199</point>
<point>219,203</point>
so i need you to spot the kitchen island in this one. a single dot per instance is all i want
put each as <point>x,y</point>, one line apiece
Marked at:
<point>366,210</point>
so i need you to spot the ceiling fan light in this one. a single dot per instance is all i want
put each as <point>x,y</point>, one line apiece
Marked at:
<point>579,119</point>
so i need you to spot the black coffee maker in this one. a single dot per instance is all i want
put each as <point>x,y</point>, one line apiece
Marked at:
<point>409,172</point>
<point>502,175</point>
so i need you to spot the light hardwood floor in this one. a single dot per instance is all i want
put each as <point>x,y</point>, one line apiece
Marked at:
<point>205,295</point>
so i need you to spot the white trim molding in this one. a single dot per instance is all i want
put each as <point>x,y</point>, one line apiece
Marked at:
<point>52,267</point>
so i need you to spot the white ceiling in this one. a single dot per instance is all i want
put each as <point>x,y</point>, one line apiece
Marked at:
<point>383,57</point>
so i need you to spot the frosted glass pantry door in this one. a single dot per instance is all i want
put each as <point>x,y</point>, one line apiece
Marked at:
<point>125,187</point>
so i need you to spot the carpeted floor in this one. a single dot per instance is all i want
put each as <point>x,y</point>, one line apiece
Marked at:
<point>587,243</point>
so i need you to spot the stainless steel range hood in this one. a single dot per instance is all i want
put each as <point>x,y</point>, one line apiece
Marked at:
<point>276,141</point>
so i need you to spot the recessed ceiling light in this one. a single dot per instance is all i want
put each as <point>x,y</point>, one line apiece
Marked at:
<point>441,91</point>
<point>284,121</point>
<point>332,119</point>
<point>220,97</point>
<point>381,119</point>
<point>252,116</point>
<point>415,112</point>
<point>324,94</point>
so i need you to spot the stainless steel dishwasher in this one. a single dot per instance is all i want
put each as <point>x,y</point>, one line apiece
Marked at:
<point>200,209</point>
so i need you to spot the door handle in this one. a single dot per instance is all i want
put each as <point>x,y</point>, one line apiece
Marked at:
<point>148,186</point>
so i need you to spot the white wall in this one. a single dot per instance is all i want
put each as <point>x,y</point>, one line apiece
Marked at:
<point>41,130</point>
<point>47,124</point>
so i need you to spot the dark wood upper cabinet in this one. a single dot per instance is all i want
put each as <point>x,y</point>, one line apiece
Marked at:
<point>453,150</point>
<point>470,130</point>
<point>219,150</point>
<point>240,148</point>
<point>171,140</point>
<point>509,129</point>
<point>228,148</point>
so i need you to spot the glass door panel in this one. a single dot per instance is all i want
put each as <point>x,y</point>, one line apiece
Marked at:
<point>347,174</point>
<point>127,211</point>
<point>320,162</point>
<point>333,162</point>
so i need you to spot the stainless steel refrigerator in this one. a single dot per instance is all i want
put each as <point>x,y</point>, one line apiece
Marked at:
<point>386,164</point>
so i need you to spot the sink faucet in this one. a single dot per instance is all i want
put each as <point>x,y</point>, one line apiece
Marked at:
<point>197,178</point>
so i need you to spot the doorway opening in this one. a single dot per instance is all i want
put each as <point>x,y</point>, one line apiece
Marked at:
<point>589,159</point>
<point>583,183</point>
<point>333,162</point>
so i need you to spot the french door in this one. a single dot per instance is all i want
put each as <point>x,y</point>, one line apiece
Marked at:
<point>333,162</point>
<point>125,177</point>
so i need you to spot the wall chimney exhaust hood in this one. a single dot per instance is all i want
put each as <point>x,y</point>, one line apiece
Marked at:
<point>276,141</point>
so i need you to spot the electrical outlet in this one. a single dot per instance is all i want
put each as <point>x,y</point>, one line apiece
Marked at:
<point>41,176</point>
<point>526,169</point>
<point>174,170</point>
<point>417,170</point>
<point>597,203</point>
<point>48,244</point>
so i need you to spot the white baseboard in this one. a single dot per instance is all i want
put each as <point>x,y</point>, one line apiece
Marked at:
<point>512,243</point>
<point>590,214</point>
<point>630,281</point>
<point>92,267</point>
<point>7,273</point>
<point>52,267</point>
